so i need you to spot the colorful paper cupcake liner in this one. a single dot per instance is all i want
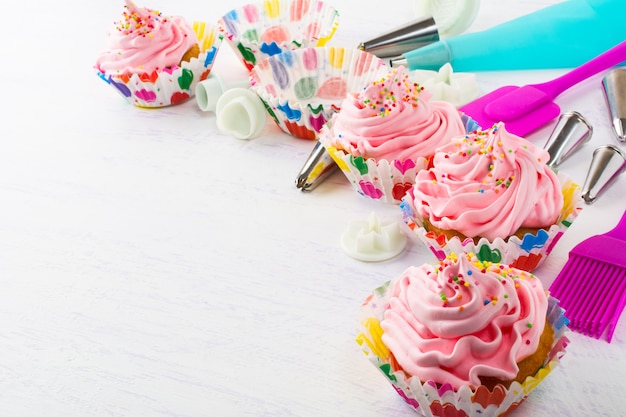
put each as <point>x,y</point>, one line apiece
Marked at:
<point>303,88</point>
<point>379,180</point>
<point>526,253</point>
<point>170,85</point>
<point>431,399</point>
<point>385,181</point>
<point>260,30</point>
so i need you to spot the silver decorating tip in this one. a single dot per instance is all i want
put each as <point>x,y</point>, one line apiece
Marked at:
<point>614,86</point>
<point>607,163</point>
<point>569,134</point>
<point>398,62</point>
<point>413,35</point>
<point>318,166</point>
<point>620,129</point>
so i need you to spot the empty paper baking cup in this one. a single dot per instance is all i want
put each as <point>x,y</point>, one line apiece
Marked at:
<point>257,31</point>
<point>170,85</point>
<point>303,88</point>
<point>525,253</point>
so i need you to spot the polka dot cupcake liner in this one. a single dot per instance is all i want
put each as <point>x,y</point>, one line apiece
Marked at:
<point>303,88</point>
<point>172,85</point>
<point>441,400</point>
<point>257,31</point>
<point>526,253</point>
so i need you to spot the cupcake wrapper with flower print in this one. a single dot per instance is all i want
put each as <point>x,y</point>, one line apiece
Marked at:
<point>526,254</point>
<point>303,88</point>
<point>431,399</point>
<point>170,85</point>
<point>382,180</point>
<point>260,30</point>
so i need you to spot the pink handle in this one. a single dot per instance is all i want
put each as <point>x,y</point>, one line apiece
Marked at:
<point>619,231</point>
<point>606,60</point>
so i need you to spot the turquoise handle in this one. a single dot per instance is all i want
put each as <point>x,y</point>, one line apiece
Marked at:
<point>564,35</point>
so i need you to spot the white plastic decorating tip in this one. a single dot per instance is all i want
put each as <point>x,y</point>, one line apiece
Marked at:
<point>210,90</point>
<point>457,88</point>
<point>373,240</point>
<point>444,74</point>
<point>241,113</point>
<point>452,16</point>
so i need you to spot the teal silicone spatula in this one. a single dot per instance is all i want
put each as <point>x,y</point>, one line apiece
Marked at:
<point>527,108</point>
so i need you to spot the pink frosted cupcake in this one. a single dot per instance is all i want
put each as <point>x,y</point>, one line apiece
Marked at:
<point>154,60</point>
<point>386,133</point>
<point>492,193</point>
<point>464,337</point>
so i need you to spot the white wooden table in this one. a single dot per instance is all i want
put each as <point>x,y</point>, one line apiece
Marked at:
<point>153,266</point>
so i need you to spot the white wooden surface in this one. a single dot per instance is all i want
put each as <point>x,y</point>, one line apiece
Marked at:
<point>152,266</point>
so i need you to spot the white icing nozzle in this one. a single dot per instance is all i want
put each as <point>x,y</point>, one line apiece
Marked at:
<point>373,240</point>
<point>241,113</point>
<point>210,90</point>
<point>457,88</point>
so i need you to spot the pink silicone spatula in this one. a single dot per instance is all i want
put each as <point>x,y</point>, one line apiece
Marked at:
<point>527,108</point>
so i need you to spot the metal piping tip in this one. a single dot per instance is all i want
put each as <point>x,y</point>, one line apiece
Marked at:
<point>619,125</point>
<point>614,87</point>
<point>569,134</point>
<point>398,62</point>
<point>606,165</point>
<point>301,180</point>
<point>413,35</point>
<point>318,166</point>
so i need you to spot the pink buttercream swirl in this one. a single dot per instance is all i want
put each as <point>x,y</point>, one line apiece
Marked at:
<point>464,319</point>
<point>392,119</point>
<point>145,41</point>
<point>489,184</point>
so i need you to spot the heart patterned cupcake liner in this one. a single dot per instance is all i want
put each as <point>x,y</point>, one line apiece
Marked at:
<point>526,253</point>
<point>382,180</point>
<point>441,400</point>
<point>172,85</point>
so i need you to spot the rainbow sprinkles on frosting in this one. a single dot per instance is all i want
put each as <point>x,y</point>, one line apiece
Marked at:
<point>382,96</point>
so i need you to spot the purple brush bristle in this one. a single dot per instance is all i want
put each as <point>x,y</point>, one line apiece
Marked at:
<point>591,287</point>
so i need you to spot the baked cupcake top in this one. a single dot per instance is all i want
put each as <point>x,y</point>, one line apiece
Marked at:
<point>145,41</point>
<point>392,119</point>
<point>464,319</point>
<point>489,184</point>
